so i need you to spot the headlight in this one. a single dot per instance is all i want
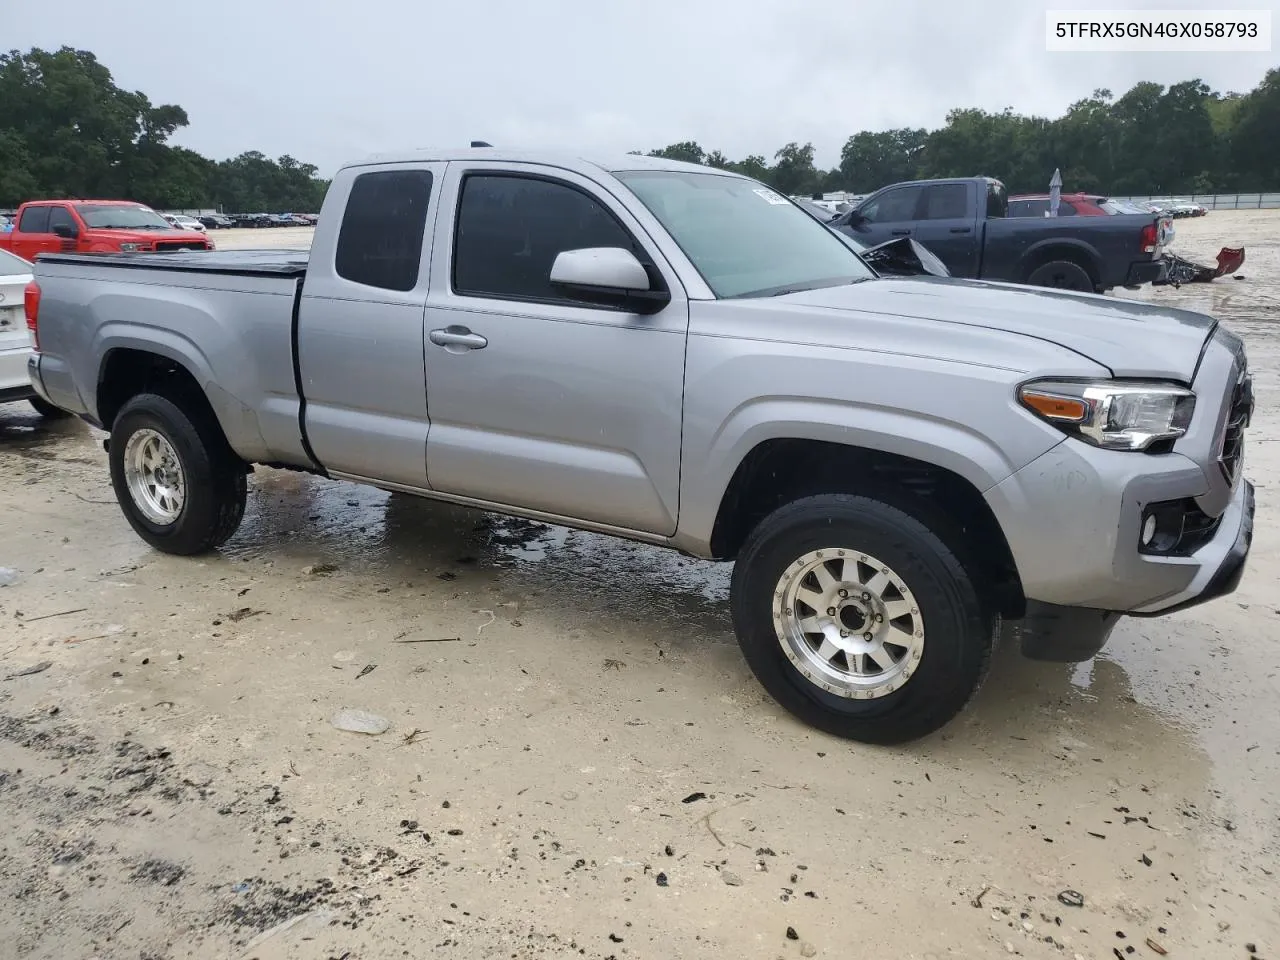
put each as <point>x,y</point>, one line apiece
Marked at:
<point>1116,415</point>
<point>128,247</point>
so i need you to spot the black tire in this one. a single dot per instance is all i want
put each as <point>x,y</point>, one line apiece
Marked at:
<point>215,478</point>
<point>47,409</point>
<point>1061,275</point>
<point>959,629</point>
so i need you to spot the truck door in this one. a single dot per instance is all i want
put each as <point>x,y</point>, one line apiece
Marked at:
<point>540,402</point>
<point>33,234</point>
<point>948,226</point>
<point>360,334</point>
<point>884,216</point>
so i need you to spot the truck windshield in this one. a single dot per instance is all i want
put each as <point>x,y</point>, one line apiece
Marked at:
<point>120,217</point>
<point>745,239</point>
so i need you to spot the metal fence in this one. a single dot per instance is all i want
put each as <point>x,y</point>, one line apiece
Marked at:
<point>1220,201</point>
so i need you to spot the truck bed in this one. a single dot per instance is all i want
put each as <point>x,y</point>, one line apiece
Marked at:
<point>270,263</point>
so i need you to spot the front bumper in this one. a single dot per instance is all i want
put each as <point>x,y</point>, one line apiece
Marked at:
<point>1072,634</point>
<point>1073,517</point>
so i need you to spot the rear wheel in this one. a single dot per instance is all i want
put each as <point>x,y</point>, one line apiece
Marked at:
<point>1061,275</point>
<point>47,409</point>
<point>180,485</point>
<point>859,619</point>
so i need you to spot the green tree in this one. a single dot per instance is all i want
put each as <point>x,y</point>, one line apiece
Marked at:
<point>1255,140</point>
<point>793,172</point>
<point>870,161</point>
<point>688,151</point>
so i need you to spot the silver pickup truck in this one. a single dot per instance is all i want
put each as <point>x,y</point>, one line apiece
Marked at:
<point>681,356</point>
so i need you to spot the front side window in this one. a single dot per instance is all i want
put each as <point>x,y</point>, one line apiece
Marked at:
<point>380,240</point>
<point>510,230</point>
<point>743,238</point>
<point>59,217</point>
<point>893,207</point>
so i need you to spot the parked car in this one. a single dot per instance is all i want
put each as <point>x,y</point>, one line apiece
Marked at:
<point>900,257</point>
<point>183,222</point>
<point>15,338</point>
<point>964,222</point>
<point>1087,205</point>
<point>681,356</point>
<point>1186,208</point>
<point>95,226</point>
<point>252,220</point>
<point>216,221</point>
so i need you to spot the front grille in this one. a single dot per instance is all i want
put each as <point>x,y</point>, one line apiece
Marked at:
<point>1238,418</point>
<point>164,246</point>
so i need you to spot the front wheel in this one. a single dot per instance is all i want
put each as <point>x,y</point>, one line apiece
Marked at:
<point>860,619</point>
<point>180,485</point>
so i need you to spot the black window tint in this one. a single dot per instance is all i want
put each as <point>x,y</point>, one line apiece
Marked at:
<point>1066,209</point>
<point>894,206</point>
<point>34,220</point>
<point>380,242</point>
<point>946,201</point>
<point>511,229</point>
<point>60,217</point>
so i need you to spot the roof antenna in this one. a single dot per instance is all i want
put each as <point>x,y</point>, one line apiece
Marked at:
<point>480,143</point>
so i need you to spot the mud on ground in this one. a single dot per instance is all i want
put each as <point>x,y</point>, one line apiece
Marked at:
<point>579,762</point>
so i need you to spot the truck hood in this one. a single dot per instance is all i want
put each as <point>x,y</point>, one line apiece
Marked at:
<point>1132,339</point>
<point>142,236</point>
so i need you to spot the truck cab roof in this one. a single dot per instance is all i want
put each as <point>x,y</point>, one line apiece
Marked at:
<point>611,163</point>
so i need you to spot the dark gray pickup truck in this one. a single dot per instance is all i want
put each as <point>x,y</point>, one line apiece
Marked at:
<point>963,223</point>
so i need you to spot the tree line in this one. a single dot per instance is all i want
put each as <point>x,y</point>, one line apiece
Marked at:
<point>1152,140</point>
<point>67,129</point>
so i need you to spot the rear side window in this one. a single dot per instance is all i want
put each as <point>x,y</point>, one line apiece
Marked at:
<point>34,220</point>
<point>946,201</point>
<point>380,241</point>
<point>511,229</point>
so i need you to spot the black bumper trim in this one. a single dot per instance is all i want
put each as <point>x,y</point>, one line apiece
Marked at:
<point>1227,577</point>
<point>14,394</point>
<point>1146,271</point>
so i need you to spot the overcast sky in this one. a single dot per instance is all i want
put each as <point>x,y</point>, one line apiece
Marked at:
<point>331,80</point>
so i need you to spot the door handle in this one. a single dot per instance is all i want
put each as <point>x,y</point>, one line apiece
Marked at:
<point>962,229</point>
<point>455,336</point>
<point>901,233</point>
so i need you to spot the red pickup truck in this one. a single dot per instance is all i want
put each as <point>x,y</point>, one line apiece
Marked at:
<point>94,226</point>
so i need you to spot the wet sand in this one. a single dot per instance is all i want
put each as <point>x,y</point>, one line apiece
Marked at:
<point>579,762</point>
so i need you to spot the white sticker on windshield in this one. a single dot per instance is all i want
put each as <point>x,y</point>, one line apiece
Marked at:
<point>770,197</point>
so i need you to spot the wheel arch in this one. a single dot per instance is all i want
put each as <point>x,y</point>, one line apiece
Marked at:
<point>1083,255</point>
<point>779,470</point>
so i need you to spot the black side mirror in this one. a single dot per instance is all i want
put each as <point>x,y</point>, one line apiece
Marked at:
<point>64,231</point>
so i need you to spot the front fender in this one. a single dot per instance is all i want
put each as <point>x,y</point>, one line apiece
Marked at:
<point>947,443</point>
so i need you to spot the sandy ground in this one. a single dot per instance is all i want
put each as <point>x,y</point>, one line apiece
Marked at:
<point>579,763</point>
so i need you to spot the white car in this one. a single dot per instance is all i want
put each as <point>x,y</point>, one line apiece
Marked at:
<point>184,222</point>
<point>15,338</point>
